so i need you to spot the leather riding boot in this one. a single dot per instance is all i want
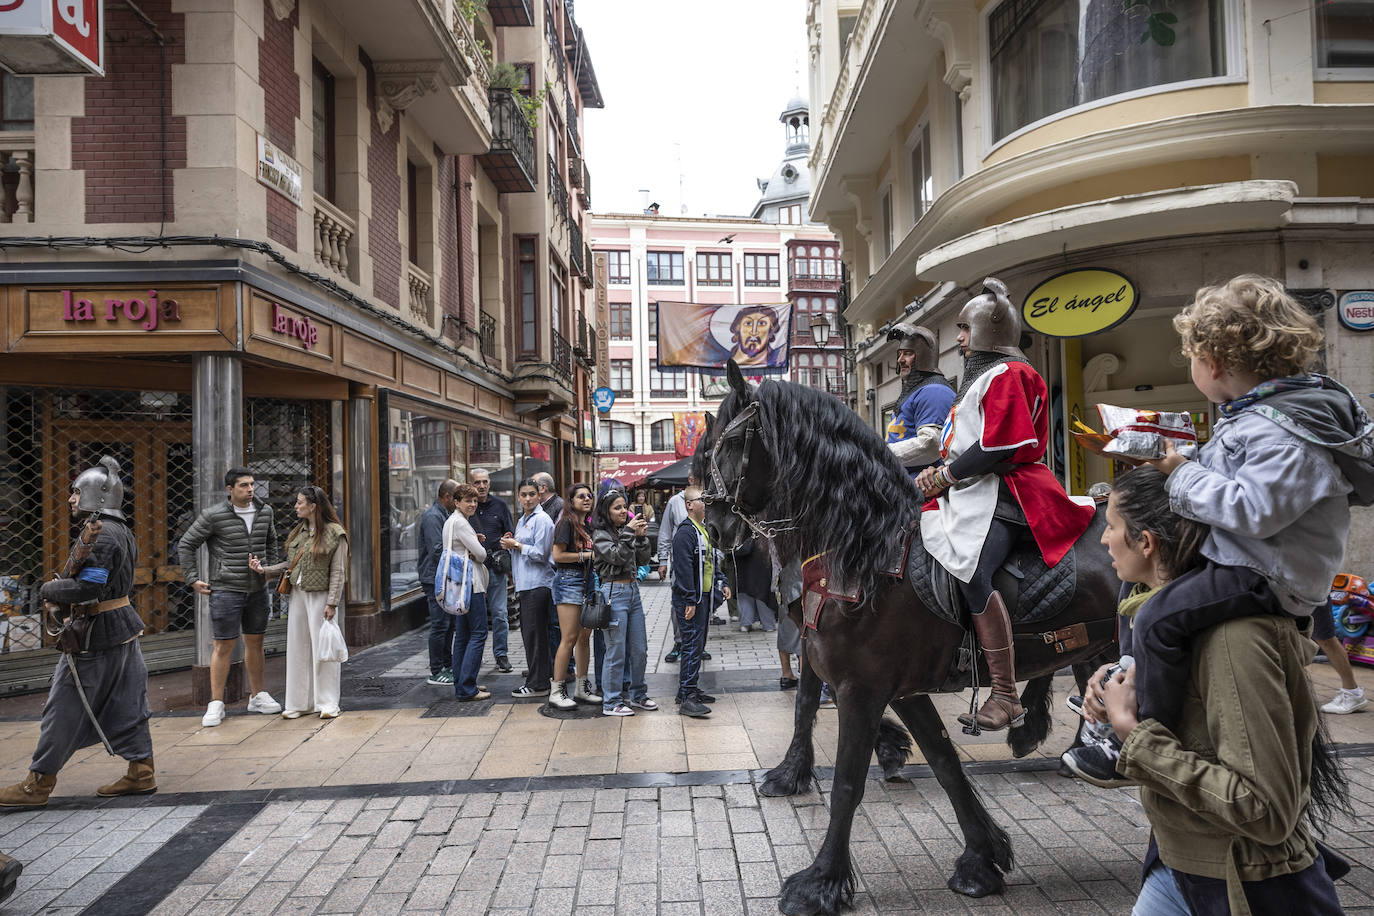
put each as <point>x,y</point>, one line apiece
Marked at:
<point>1003,706</point>
<point>9,875</point>
<point>33,792</point>
<point>138,781</point>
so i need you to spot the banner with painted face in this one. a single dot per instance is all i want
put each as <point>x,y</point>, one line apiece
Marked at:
<point>757,336</point>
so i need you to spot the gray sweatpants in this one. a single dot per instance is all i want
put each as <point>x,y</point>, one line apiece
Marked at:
<point>116,682</point>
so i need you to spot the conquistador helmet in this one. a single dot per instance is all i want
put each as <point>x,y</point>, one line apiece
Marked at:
<point>99,489</point>
<point>913,337</point>
<point>993,322</point>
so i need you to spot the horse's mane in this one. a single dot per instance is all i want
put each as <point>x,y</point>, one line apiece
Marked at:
<point>847,494</point>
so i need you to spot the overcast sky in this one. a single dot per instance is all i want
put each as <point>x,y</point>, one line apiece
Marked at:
<point>692,89</point>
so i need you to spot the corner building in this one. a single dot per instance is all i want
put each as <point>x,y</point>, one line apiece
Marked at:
<point>333,242</point>
<point>957,139</point>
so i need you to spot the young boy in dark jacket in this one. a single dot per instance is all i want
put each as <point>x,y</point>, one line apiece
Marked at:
<point>694,574</point>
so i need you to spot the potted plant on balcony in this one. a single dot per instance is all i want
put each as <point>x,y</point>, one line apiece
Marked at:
<point>509,78</point>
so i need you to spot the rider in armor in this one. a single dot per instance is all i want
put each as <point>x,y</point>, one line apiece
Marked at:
<point>104,667</point>
<point>913,435</point>
<point>992,445</point>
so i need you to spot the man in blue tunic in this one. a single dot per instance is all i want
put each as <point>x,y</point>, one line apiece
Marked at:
<point>914,431</point>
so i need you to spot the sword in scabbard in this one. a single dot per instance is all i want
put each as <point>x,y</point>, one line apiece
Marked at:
<point>86,703</point>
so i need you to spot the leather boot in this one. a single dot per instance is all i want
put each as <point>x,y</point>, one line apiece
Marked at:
<point>9,875</point>
<point>138,781</point>
<point>1003,706</point>
<point>33,792</point>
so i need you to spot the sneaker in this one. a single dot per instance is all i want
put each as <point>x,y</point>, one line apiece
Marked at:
<point>691,707</point>
<point>585,693</point>
<point>524,691</point>
<point>332,712</point>
<point>503,664</point>
<point>645,703</point>
<point>1094,764</point>
<point>443,679</point>
<point>1075,703</point>
<point>214,714</point>
<point>674,655</point>
<point>479,695</point>
<point>827,698</point>
<point>744,629</point>
<point>620,709</point>
<point>703,697</point>
<point>787,683</point>
<point>1345,702</point>
<point>706,656</point>
<point>262,702</point>
<point>292,714</point>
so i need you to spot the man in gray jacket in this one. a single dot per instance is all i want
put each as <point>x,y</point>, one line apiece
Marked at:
<point>233,530</point>
<point>674,514</point>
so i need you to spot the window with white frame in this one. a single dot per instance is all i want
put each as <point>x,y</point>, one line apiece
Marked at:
<point>661,436</point>
<point>713,268</point>
<point>669,382</point>
<point>618,267</point>
<point>664,268</point>
<point>922,181</point>
<point>1345,35</point>
<point>623,377</point>
<point>1047,56</point>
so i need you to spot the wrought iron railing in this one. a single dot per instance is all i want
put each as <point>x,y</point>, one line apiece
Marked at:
<point>575,249</point>
<point>562,355</point>
<point>486,335</point>
<point>510,131</point>
<point>571,108</point>
<point>558,191</point>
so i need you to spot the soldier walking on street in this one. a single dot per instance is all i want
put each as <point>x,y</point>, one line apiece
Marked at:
<point>100,688</point>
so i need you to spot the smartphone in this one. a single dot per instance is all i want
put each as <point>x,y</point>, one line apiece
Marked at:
<point>638,509</point>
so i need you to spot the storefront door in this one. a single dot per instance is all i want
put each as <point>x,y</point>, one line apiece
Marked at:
<point>155,460</point>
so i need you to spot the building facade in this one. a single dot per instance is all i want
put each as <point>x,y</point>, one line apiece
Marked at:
<point>1076,142</point>
<point>773,256</point>
<point>302,238</point>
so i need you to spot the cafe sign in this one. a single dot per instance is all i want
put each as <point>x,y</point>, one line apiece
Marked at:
<point>1079,302</point>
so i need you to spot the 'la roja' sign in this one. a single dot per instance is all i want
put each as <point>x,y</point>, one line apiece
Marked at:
<point>1079,302</point>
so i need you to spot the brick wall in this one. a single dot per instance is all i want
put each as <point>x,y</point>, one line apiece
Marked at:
<point>453,278</point>
<point>119,143</point>
<point>282,105</point>
<point>384,241</point>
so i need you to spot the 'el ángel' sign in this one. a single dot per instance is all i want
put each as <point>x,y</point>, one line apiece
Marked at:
<point>1079,303</point>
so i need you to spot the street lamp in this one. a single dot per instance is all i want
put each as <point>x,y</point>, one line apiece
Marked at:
<point>820,328</point>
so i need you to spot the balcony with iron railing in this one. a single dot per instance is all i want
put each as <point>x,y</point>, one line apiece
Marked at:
<point>486,335</point>
<point>558,191</point>
<point>510,12</point>
<point>576,252</point>
<point>510,161</point>
<point>587,262</point>
<point>586,342</point>
<point>562,355</point>
<point>574,140</point>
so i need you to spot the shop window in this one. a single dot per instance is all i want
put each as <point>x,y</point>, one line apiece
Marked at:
<point>664,268</point>
<point>1345,35</point>
<point>618,267</point>
<point>661,436</point>
<point>322,121</point>
<point>762,270</point>
<point>621,323</point>
<point>1048,56</point>
<point>713,268</point>
<point>538,460</point>
<point>617,436</point>
<point>494,452</point>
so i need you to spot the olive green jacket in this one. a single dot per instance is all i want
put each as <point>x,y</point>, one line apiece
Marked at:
<point>324,572</point>
<point>1227,796</point>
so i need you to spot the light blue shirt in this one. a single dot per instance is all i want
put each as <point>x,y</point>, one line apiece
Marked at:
<point>532,564</point>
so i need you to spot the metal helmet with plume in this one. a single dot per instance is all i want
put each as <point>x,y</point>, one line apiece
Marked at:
<point>100,489</point>
<point>993,322</point>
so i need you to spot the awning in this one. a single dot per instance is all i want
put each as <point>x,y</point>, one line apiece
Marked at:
<point>674,475</point>
<point>630,468</point>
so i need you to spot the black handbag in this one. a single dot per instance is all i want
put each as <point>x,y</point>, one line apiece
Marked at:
<point>596,609</point>
<point>498,561</point>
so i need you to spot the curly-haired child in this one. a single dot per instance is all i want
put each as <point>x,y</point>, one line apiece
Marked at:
<point>1290,454</point>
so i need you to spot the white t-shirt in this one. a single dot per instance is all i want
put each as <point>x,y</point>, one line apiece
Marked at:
<point>247,514</point>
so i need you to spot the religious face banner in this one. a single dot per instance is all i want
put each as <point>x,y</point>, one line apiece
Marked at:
<point>687,430</point>
<point>757,336</point>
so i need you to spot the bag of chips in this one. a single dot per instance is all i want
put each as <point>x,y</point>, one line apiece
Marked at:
<point>1141,434</point>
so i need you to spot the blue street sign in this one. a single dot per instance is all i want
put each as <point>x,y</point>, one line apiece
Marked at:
<point>603,398</point>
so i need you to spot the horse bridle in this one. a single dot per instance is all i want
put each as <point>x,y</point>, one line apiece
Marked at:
<point>767,529</point>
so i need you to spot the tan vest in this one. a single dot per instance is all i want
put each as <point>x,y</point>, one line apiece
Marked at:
<point>311,570</point>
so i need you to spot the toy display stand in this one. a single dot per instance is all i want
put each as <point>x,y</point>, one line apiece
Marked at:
<point>1352,610</point>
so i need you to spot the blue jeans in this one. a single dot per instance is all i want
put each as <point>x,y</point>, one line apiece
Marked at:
<point>469,638</point>
<point>440,637</point>
<point>496,612</point>
<point>1160,896</point>
<point>627,646</point>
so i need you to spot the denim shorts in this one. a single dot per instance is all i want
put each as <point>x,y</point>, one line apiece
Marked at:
<point>232,613</point>
<point>568,585</point>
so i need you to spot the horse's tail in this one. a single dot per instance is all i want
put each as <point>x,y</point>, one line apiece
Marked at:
<point>1330,790</point>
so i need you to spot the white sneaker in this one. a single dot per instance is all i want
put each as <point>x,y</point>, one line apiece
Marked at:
<point>1346,703</point>
<point>214,714</point>
<point>262,702</point>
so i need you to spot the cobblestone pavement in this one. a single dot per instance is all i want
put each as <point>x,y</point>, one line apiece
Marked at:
<point>411,802</point>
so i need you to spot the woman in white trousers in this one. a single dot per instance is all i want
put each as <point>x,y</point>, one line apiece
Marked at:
<point>316,561</point>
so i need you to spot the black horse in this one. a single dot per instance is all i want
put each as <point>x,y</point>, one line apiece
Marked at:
<point>786,459</point>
